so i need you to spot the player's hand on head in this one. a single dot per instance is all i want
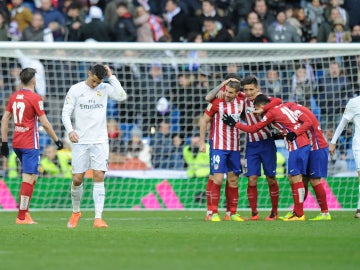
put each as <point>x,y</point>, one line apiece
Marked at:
<point>291,136</point>
<point>228,120</point>
<point>59,144</point>
<point>108,70</point>
<point>5,149</point>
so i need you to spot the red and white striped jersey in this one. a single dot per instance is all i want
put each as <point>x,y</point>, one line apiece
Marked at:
<point>225,137</point>
<point>285,120</point>
<point>252,119</point>
<point>315,134</point>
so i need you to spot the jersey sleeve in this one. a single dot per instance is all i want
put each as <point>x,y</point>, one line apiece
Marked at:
<point>212,108</point>
<point>306,124</point>
<point>116,91</point>
<point>266,120</point>
<point>68,108</point>
<point>349,110</point>
<point>273,103</point>
<point>38,104</point>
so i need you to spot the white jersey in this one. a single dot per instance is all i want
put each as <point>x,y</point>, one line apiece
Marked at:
<point>352,113</point>
<point>88,106</point>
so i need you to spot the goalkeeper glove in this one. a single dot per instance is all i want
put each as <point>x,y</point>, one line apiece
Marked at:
<point>59,144</point>
<point>228,120</point>
<point>291,136</point>
<point>5,149</point>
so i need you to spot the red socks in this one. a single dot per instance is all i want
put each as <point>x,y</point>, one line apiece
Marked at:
<point>232,199</point>
<point>274,196</point>
<point>252,194</point>
<point>321,197</point>
<point>26,191</point>
<point>215,197</point>
<point>298,193</point>
<point>208,193</point>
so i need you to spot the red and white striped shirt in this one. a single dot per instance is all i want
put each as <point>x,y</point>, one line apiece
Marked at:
<point>225,137</point>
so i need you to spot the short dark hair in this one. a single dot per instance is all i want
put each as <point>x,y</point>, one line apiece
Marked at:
<point>26,75</point>
<point>233,76</point>
<point>250,79</point>
<point>235,85</point>
<point>261,100</point>
<point>99,71</point>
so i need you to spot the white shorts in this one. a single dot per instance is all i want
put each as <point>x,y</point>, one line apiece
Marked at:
<point>90,156</point>
<point>357,159</point>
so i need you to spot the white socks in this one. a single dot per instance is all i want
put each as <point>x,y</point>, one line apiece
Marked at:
<point>76,195</point>
<point>99,198</point>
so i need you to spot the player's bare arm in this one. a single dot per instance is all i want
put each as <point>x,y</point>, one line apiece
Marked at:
<point>108,70</point>
<point>204,121</point>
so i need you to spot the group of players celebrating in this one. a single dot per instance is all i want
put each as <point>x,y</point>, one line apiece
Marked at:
<point>266,119</point>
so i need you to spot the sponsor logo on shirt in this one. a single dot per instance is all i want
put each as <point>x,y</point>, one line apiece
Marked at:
<point>21,129</point>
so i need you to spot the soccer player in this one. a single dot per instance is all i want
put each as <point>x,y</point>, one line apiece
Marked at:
<point>86,101</point>
<point>260,151</point>
<point>26,108</point>
<point>219,92</point>
<point>318,161</point>
<point>351,113</point>
<point>225,155</point>
<point>293,126</point>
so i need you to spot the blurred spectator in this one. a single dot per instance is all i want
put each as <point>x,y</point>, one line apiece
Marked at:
<point>214,32</point>
<point>353,9</point>
<point>137,150</point>
<point>257,34</point>
<point>274,6</point>
<point>326,28</point>
<point>143,30</point>
<point>4,27</point>
<point>336,4</point>
<point>161,146</point>
<point>265,17</point>
<point>291,19</point>
<point>195,55</point>
<point>240,10</point>
<point>53,19</point>
<point>338,35</point>
<point>208,9</point>
<point>198,163</point>
<point>73,22</point>
<point>355,33</point>
<point>281,31</point>
<point>55,163</point>
<point>21,17</point>
<point>124,29</point>
<point>110,15</point>
<point>333,91</point>
<point>308,27</point>
<point>116,143</point>
<point>272,85</point>
<point>315,13</point>
<point>96,29</point>
<point>36,31</point>
<point>245,28</point>
<point>303,85</point>
<point>176,157</point>
<point>13,166</point>
<point>176,21</point>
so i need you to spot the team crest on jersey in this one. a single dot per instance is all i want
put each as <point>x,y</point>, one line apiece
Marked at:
<point>216,166</point>
<point>209,107</point>
<point>98,93</point>
<point>41,105</point>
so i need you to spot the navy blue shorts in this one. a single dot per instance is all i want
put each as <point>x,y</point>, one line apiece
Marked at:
<point>261,153</point>
<point>318,163</point>
<point>298,161</point>
<point>29,158</point>
<point>224,161</point>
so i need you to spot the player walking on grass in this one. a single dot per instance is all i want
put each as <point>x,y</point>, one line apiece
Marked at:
<point>87,101</point>
<point>26,108</point>
<point>260,151</point>
<point>225,149</point>
<point>297,141</point>
<point>318,161</point>
<point>351,113</point>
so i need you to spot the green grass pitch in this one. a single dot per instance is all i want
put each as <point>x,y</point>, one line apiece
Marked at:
<point>178,240</point>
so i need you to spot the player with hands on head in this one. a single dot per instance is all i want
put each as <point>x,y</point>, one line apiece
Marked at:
<point>26,108</point>
<point>351,113</point>
<point>87,101</point>
<point>225,153</point>
<point>285,120</point>
<point>219,92</point>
